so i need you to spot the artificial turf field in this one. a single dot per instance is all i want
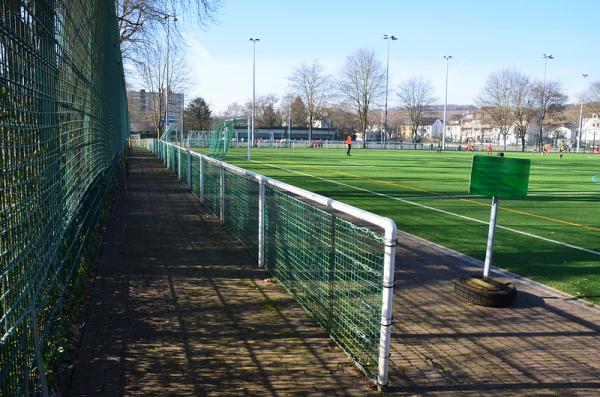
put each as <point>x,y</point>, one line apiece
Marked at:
<point>553,236</point>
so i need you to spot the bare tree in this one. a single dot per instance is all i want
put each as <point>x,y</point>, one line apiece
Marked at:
<point>593,97</point>
<point>362,83</point>
<point>495,101</point>
<point>235,111</point>
<point>151,66</point>
<point>342,119</point>
<point>522,104</point>
<point>139,20</point>
<point>549,98</point>
<point>313,86</point>
<point>415,95</point>
<point>265,114</point>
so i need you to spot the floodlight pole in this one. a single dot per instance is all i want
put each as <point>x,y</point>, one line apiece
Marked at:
<point>491,236</point>
<point>248,137</point>
<point>388,38</point>
<point>168,18</point>
<point>251,139</point>
<point>584,75</point>
<point>546,57</point>
<point>447,58</point>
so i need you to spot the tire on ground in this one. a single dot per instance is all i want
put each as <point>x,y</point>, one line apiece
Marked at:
<point>490,292</point>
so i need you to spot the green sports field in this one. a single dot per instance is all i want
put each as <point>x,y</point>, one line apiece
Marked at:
<point>553,236</point>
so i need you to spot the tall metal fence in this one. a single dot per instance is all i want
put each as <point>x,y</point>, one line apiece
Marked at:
<point>336,260</point>
<point>63,124</point>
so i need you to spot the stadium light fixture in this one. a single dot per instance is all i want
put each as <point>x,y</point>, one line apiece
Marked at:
<point>251,138</point>
<point>584,75</point>
<point>447,58</point>
<point>388,38</point>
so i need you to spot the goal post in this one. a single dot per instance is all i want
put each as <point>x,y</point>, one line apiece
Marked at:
<point>336,260</point>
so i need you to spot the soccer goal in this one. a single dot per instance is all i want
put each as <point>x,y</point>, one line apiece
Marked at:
<point>336,260</point>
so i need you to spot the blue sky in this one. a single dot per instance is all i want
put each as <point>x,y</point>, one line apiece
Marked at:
<point>482,36</point>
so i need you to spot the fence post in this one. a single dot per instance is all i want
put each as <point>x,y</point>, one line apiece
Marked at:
<point>201,188</point>
<point>167,157</point>
<point>38,350</point>
<point>222,193</point>
<point>261,222</point>
<point>178,163</point>
<point>189,171</point>
<point>389,262</point>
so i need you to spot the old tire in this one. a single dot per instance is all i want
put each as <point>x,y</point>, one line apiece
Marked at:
<point>490,292</point>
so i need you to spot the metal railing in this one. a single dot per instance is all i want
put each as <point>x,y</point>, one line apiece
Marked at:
<point>324,252</point>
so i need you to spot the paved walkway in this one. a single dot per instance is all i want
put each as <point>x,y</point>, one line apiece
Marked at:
<point>545,345</point>
<point>178,308</point>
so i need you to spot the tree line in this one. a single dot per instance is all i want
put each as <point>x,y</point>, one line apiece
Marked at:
<point>351,101</point>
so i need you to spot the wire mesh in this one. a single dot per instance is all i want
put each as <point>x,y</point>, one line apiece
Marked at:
<point>331,264</point>
<point>332,267</point>
<point>241,209</point>
<point>212,185</point>
<point>63,124</point>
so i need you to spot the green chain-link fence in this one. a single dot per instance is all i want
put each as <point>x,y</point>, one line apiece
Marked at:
<point>63,124</point>
<point>332,263</point>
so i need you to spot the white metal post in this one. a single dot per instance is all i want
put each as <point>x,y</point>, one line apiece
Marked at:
<point>389,263</point>
<point>222,193</point>
<point>179,163</point>
<point>261,222</point>
<point>447,58</point>
<point>201,180</point>
<point>253,40</point>
<point>189,172</point>
<point>490,241</point>
<point>584,75</point>
<point>388,38</point>
<point>248,139</point>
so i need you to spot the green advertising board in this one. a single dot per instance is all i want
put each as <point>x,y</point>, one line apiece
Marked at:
<point>502,177</point>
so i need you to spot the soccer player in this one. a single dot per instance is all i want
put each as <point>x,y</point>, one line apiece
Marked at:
<point>489,148</point>
<point>561,148</point>
<point>547,150</point>
<point>349,143</point>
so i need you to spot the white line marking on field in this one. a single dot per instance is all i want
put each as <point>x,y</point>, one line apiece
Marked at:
<point>549,194</point>
<point>589,251</point>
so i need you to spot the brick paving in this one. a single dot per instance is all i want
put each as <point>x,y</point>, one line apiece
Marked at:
<point>179,309</point>
<point>546,344</point>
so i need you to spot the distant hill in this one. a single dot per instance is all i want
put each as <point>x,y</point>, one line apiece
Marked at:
<point>453,108</point>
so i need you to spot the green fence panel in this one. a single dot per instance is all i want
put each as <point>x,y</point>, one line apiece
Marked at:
<point>241,209</point>
<point>332,267</point>
<point>211,187</point>
<point>63,126</point>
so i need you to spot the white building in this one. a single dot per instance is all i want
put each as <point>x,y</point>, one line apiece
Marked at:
<point>590,130</point>
<point>431,128</point>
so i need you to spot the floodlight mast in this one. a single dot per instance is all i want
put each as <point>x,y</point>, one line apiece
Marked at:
<point>447,58</point>
<point>546,57</point>
<point>168,17</point>
<point>584,75</point>
<point>251,139</point>
<point>388,38</point>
